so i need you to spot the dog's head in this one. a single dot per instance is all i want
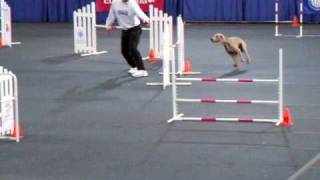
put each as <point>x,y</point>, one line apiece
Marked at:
<point>217,38</point>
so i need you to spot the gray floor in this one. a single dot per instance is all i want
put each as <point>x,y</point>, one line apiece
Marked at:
<point>85,118</point>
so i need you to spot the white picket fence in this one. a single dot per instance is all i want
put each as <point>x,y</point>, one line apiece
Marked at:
<point>6,27</point>
<point>158,21</point>
<point>9,116</point>
<point>85,31</point>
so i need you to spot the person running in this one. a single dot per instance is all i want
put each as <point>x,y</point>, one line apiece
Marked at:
<point>129,15</point>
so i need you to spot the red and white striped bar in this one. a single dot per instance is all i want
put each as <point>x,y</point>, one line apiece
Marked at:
<point>210,100</point>
<point>240,120</point>
<point>210,79</point>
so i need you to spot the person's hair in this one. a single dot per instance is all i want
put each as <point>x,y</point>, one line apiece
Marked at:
<point>125,1</point>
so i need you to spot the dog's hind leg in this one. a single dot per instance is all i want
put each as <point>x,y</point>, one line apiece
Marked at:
<point>244,54</point>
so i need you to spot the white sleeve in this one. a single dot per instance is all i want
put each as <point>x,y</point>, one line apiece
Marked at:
<point>111,17</point>
<point>139,11</point>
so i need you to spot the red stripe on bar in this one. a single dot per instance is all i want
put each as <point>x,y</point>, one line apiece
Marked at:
<point>245,120</point>
<point>244,101</point>
<point>209,79</point>
<point>208,119</point>
<point>245,80</point>
<point>208,100</point>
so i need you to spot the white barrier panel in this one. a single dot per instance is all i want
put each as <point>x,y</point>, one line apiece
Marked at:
<point>6,27</point>
<point>85,32</point>
<point>279,102</point>
<point>9,118</point>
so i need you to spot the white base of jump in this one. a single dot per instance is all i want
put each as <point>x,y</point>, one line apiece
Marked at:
<point>181,117</point>
<point>15,43</point>
<point>161,84</point>
<point>297,36</point>
<point>184,73</point>
<point>94,53</point>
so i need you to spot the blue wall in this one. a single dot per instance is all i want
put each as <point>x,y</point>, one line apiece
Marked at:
<point>192,10</point>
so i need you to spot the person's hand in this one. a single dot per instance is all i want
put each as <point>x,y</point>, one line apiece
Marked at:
<point>146,24</point>
<point>110,29</point>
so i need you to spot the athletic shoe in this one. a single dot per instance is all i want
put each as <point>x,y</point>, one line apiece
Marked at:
<point>140,73</point>
<point>132,70</point>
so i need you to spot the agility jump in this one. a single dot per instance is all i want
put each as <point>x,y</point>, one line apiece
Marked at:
<point>9,116</point>
<point>314,4</point>
<point>6,27</point>
<point>177,116</point>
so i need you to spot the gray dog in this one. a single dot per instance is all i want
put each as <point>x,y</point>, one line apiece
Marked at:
<point>235,47</point>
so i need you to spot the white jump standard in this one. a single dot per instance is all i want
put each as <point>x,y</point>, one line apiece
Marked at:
<point>85,31</point>
<point>9,114</point>
<point>181,117</point>
<point>6,26</point>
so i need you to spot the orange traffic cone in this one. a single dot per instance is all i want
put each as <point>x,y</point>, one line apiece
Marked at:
<point>1,44</point>
<point>15,132</point>
<point>287,119</point>
<point>295,22</point>
<point>152,55</point>
<point>187,66</point>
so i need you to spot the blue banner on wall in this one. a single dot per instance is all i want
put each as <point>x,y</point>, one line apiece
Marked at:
<point>192,10</point>
<point>311,6</point>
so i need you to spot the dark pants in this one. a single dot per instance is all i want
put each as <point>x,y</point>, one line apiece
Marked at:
<point>129,47</point>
